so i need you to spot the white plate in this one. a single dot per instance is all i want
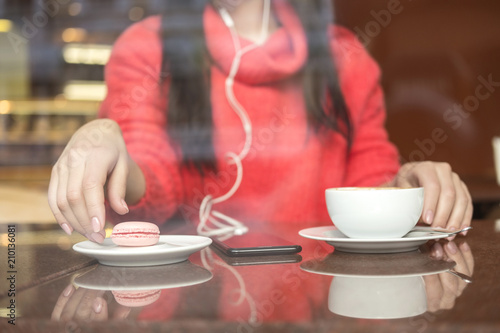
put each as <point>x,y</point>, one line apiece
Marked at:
<point>177,275</point>
<point>341,242</point>
<point>170,249</point>
<point>386,265</point>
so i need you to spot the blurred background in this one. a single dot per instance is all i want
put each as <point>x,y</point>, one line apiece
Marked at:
<point>439,61</point>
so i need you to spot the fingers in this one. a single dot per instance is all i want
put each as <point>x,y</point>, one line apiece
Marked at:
<point>444,288</point>
<point>76,206</point>
<point>52,195</point>
<point>80,304</point>
<point>428,178</point>
<point>450,290</point>
<point>461,204</point>
<point>117,184</point>
<point>78,186</point>
<point>92,187</point>
<point>100,309</point>
<point>434,291</point>
<point>63,203</point>
<point>76,189</point>
<point>447,195</point>
<point>85,309</point>
<point>462,256</point>
<point>447,201</point>
<point>467,218</point>
<point>71,306</point>
<point>61,302</point>
<point>469,259</point>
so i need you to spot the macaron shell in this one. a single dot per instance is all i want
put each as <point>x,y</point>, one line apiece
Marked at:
<point>135,234</point>
<point>132,240</point>
<point>136,298</point>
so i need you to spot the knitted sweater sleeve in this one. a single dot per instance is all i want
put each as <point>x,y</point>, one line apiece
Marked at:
<point>137,102</point>
<point>373,159</point>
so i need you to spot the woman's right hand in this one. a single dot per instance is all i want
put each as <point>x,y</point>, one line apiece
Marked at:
<point>94,159</point>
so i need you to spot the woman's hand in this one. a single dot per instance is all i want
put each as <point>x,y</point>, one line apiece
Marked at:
<point>447,202</point>
<point>95,157</point>
<point>85,304</point>
<point>444,288</point>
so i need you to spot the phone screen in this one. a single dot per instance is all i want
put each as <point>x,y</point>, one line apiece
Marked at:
<point>256,244</point>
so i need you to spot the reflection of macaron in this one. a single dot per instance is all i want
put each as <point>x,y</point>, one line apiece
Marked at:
<point>136,298</point>
<point>135,234</point>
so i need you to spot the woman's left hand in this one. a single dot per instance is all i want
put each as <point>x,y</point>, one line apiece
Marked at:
<point>447,202</point>
<point>444,288</point>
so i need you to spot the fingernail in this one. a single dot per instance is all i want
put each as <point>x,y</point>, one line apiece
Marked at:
<point>97,305</point>
<point>452,247</point>
<point>465,247</point>
<point>97,237</point>
<point>452,237</point>
<point>124,204</point>
<point>429,216</point>
<point>96,225</point>
<point>66,228</point>
<point>437,252</point>
<point>68,290</point>
<point>464,233</point>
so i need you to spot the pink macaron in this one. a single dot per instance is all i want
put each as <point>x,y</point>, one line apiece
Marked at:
<point>135,298</point>
<point>135,234</point>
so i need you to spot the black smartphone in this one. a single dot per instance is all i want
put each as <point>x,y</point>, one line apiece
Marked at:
<point>255,244</point>
<point>259,260</point>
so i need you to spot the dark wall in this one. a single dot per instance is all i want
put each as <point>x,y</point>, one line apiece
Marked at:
<point>435,57</point>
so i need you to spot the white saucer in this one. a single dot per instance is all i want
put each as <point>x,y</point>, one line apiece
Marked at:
<point>170,249</point>
<point>388,265</point>
<point>177,275</point>
<point>341,242</point>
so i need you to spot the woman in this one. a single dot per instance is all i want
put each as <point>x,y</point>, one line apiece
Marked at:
<point>236,111</point>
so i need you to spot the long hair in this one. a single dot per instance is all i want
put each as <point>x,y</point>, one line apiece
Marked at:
<point>187,62</point>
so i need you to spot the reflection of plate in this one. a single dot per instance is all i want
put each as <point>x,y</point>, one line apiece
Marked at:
<point>170,249</point>
<point>143,278</point>
<point>381,265</point>
<point>334,237</point>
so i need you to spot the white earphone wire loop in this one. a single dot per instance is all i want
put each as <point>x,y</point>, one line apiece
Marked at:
<point>223,224</point>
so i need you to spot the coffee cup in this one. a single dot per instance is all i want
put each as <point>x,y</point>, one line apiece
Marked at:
<point>377,297</point>
<point>374,212</point>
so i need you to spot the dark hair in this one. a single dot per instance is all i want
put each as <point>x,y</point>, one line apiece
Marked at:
<point>187,62</point>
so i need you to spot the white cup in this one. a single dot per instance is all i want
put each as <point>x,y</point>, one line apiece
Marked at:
<point>377,297</point>
<point>373,212</point>
<point>496,156</point>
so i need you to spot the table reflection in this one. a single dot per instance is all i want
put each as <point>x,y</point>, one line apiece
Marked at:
<point>389,286</point>
<point>128,287</point>
<point>248,294</point>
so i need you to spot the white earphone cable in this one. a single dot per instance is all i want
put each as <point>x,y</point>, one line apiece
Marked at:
<point>206,213</point>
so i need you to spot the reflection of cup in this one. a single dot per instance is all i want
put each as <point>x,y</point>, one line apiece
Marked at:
<point>374,212</point>
<point>377,297</point>
<point>496,156</point>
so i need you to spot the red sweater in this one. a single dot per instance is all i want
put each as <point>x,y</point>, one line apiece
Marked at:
<point>289,166</point>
